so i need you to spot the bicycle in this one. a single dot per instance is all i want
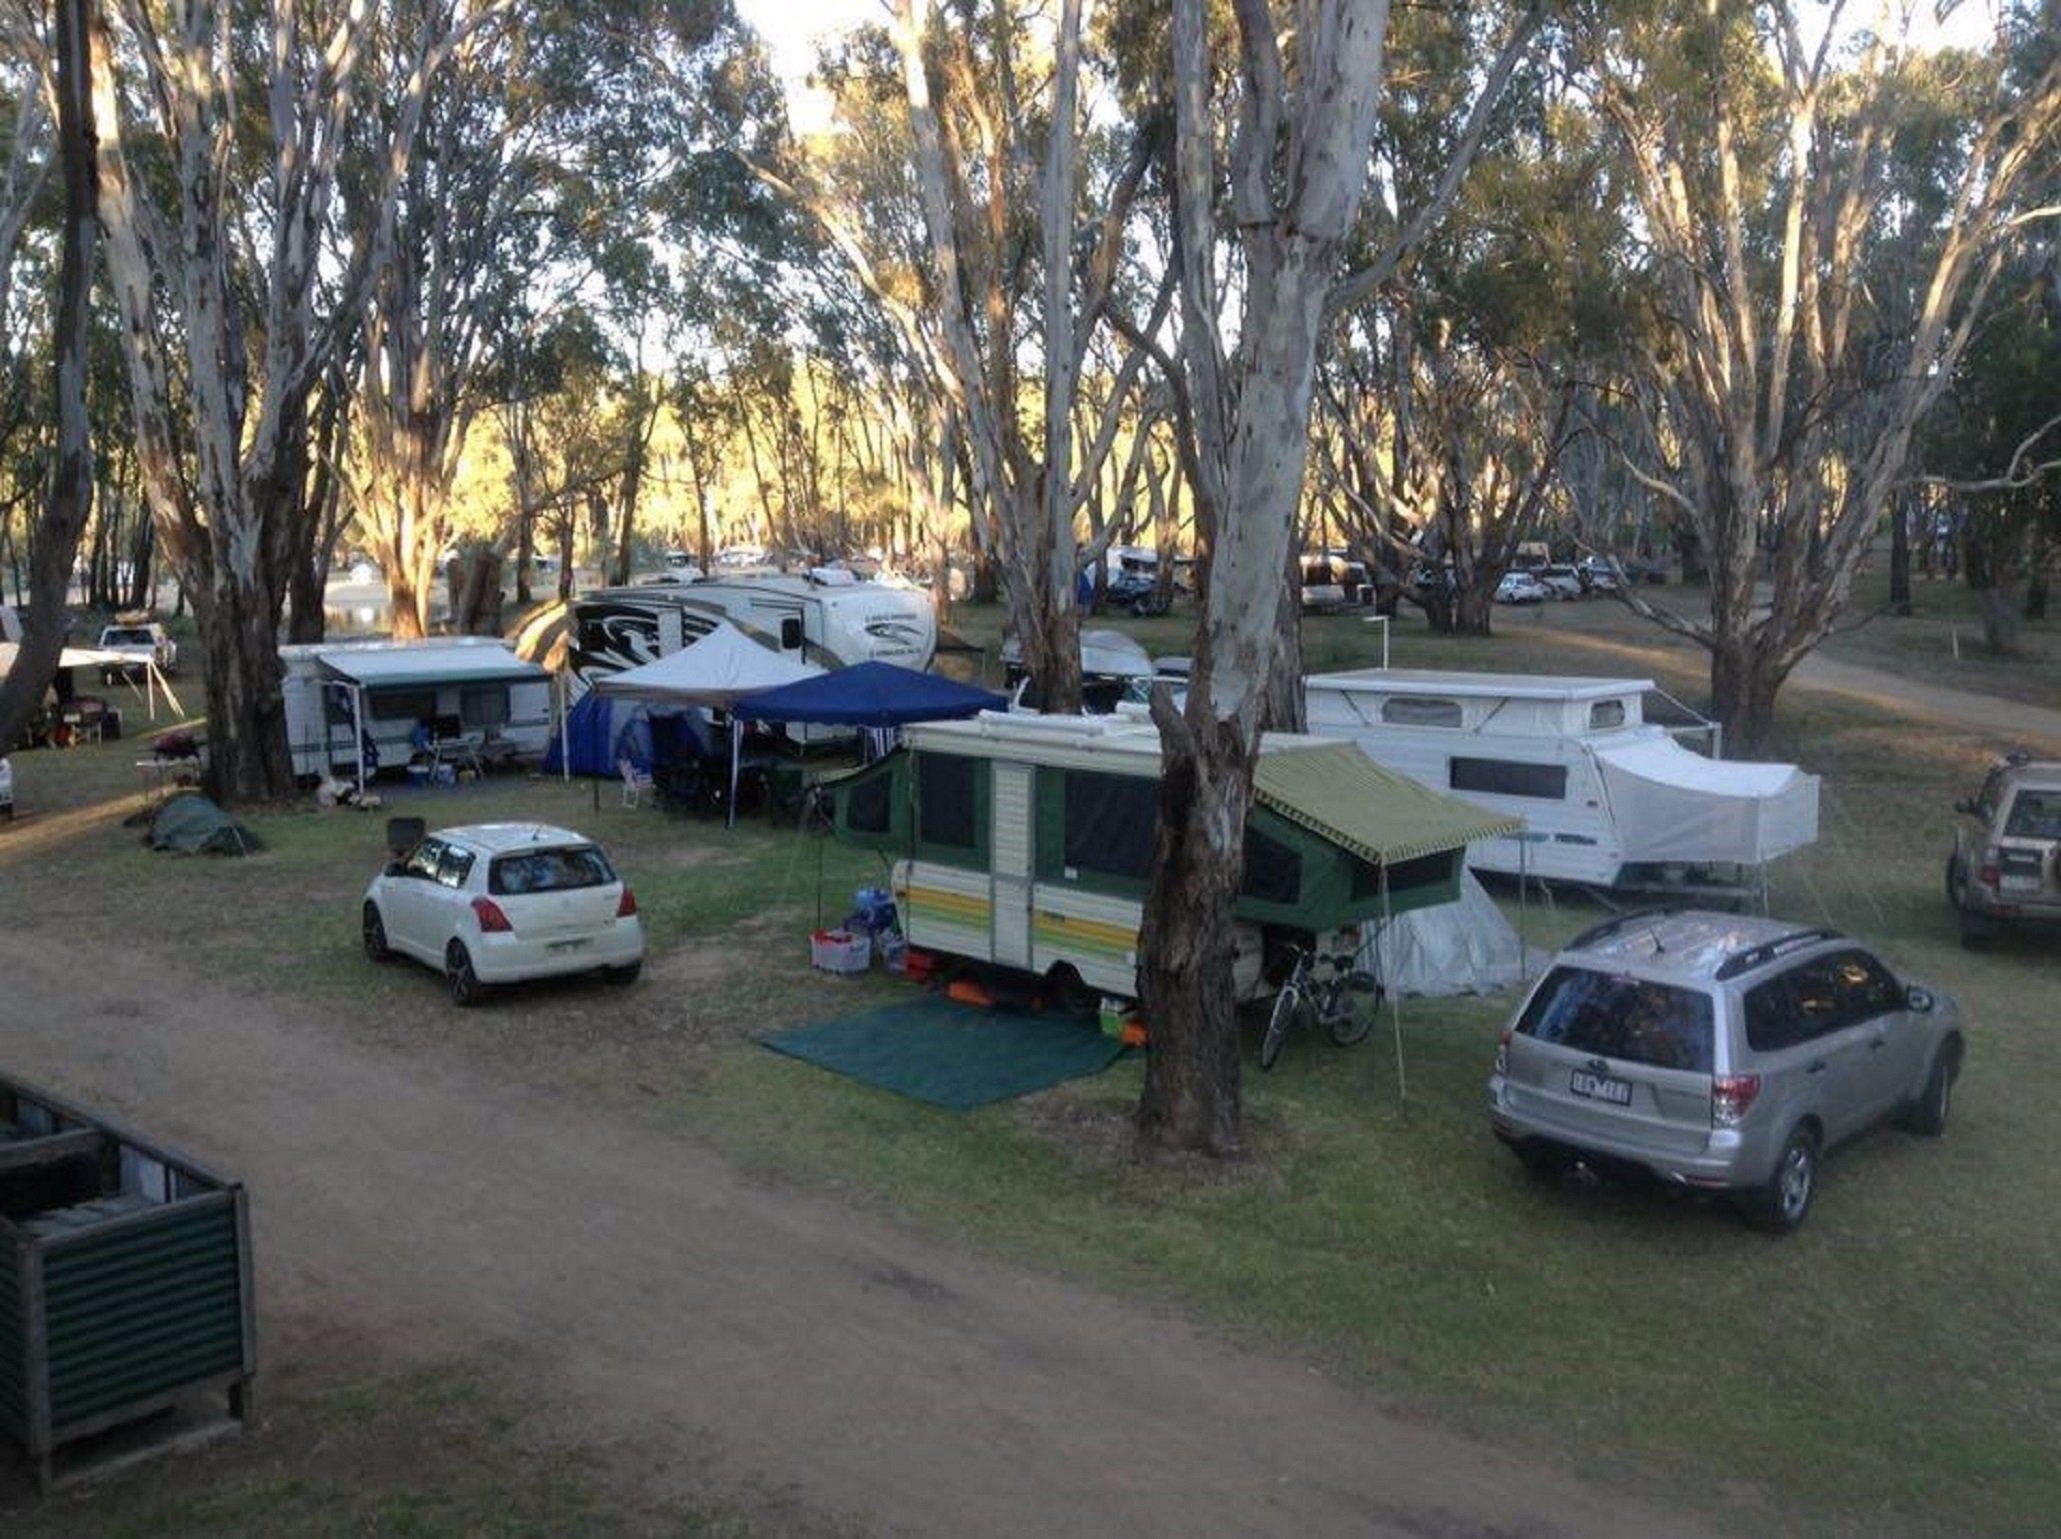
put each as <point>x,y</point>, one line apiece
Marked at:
<point>1335,994</point>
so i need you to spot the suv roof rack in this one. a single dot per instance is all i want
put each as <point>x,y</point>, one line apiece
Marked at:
<point>1612,925</point>
<point>1755,956</point>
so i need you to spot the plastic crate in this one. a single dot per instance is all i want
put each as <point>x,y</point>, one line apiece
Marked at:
<point>840,951</point>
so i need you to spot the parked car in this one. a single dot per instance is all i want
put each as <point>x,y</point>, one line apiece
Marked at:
<point>146,641</point>
<point>1137,592</point>
<point>2006,865</point>
<point>1562,582</point>
<point>1521,588</point>
<point>1600,573</point>
<point>502,902</point>
<point>1719,1053</point>
<point>6,791</point>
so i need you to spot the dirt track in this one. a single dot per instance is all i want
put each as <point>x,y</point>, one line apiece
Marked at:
<point>782,1337</point>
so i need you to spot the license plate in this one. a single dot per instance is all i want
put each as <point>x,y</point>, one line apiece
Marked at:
<point>566,945</point>
<point>2012,883</point>
<point>1600,1087</point>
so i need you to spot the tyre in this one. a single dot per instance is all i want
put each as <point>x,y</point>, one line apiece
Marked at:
<point>1287,1005</point>
<point>622,977</point>
<point>1781,1206</point>
<point>376,948</point>
<point>1359,999</point>
<point>459,977</point>
<point>1927,1116</point>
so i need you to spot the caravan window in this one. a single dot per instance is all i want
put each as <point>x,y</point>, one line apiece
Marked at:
<point>945,791</point>
<point>1111,823</point>
<point>1509,777</point>
<point>1605,714</point>
<point>1420,711</point>
<point>484,705</point>
<point>410,705</point>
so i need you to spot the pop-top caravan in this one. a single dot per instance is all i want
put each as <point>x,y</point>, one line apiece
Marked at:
<point>344,696</point>
<point>1027,841</point>
<point>830,623</point>
<point>1608,799</point>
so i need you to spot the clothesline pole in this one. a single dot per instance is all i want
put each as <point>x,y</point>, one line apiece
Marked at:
<point>1395,998</point>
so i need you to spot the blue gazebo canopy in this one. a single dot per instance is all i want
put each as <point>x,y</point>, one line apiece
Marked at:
<point>868,695</point>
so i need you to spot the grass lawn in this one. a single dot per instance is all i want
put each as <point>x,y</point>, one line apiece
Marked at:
<point>1893,1368</point>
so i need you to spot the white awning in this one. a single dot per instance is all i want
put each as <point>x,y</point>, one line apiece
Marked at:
<point>1674,805</point>
<point>402,665</point>
<point>73,657</point>
<point>712,671</point>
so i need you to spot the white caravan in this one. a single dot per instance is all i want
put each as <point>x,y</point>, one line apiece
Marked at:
<point>830,624</point>
<point>1608,799</point>
<point>471,687</point>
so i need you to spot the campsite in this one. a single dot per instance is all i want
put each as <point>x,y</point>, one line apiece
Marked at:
<point>1121,768</point>
<point>1383,1239</point>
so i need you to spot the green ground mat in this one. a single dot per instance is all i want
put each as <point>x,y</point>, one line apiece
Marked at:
<point>952,1055</point>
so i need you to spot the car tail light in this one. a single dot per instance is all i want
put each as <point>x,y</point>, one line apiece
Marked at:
<point>1731,1098</point>
<point>1503,1052</point>
<point>1988,876</point>
<point>626,906</point>
<point>491,920</point>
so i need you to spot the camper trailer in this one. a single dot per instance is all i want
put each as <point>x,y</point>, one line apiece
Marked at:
<point>1608,799</point>
<point>1028,841</point>
<point>830,624</point>
<point>346,696</point>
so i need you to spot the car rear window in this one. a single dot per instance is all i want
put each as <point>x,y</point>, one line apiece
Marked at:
<point>563,869</point>
<point>2034,815</point>
<point>130,638</point>
<point>1625,1018</point>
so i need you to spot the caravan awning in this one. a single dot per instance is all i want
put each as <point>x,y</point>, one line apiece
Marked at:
<point>398,667</point>
<point>1337,791</point>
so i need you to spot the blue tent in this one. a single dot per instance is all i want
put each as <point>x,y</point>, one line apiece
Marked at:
<point>868,695</point>
<point>599,732</point>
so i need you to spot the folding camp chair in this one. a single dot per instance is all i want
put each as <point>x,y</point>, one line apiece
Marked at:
<point>636,783</point>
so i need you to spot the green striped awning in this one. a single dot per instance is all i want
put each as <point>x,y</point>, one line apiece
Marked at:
<point>1338,792</point>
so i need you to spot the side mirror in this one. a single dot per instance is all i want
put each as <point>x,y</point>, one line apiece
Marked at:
<point>397,868</point>
<point>1967,808</point>
<point>1918,999</point>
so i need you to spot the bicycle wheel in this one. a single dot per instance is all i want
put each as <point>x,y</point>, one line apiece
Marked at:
<point>1286,1004</point>
<point>1354,1006</point>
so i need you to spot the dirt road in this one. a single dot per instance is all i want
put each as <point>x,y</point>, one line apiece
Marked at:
<point>415,1200</point>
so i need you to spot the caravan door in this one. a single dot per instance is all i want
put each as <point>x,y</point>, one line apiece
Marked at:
<point>1011,865</point>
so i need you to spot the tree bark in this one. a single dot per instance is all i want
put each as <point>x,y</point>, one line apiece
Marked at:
<point>70,498</point>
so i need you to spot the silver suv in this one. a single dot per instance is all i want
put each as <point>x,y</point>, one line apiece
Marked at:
<point>2006,865</point>
<point>1719,1053</point>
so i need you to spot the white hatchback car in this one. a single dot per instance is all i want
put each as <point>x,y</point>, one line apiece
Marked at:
<point>503,902</point>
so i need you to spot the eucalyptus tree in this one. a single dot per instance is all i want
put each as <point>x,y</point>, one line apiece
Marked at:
<point>69,498</point>
<point>234,282</point>
<point>1764,150</point>
<point>1300,118</point>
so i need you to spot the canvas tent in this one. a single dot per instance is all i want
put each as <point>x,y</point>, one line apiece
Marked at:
<point>193,825</point>
<point>599,733</point>
<point>1673,805</point>
<point>1462,947</point>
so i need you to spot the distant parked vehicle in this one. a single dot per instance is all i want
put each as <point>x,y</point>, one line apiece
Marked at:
<point>146,641</point>
<point>503,902</point>
<point>2006,865</point>
<point>1562,582</point>
<point>1600,573</point>
<point>1521,588</point>
<point>1719,1053</point>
